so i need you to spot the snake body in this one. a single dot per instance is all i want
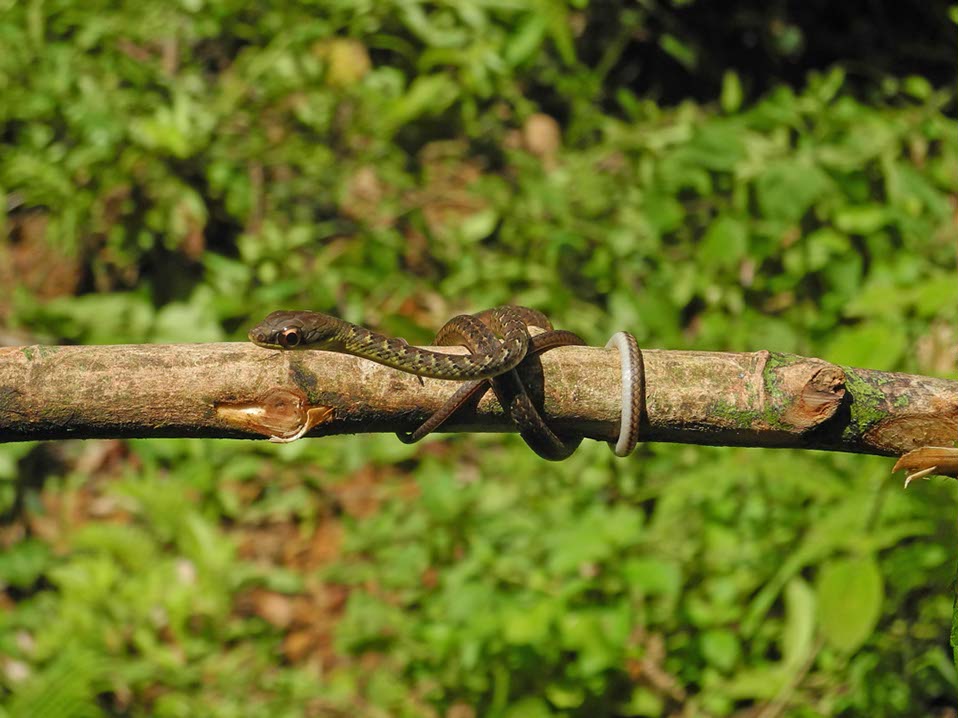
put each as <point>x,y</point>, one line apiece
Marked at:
<point>511,388</point>
<point>314,330</point>
<point>498,340</point>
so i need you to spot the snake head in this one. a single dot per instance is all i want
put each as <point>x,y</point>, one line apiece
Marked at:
<point>296,330</point>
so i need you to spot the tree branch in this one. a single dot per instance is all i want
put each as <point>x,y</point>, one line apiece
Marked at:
<point>242,391</point>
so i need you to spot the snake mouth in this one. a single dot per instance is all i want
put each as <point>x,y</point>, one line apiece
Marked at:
<point>259,338</point>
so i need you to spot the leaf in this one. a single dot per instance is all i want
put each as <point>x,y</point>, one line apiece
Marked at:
<point>681,51</point>
<point>761,683</point>
<point>725,242</point>
<point>653,576</point>
<point>913,192</point>
<point>918,87</point>
<point>565,694</point>
<point>479,225</point>
<point>186,322</point>
<point>24,562</point>
<point>622,526</point>
<point>765,681</point>
<point>128,544</point>
<point>879,297</point>
<point>850,594</point>
<point>595,635</point>
<point>873,344</point>
<point>557,15</point>
<point>427,95</point>
<point>643,702</point>
<point>66,688</point>
<point>799,634</point>
<point>954,630</point>
<point>787,189</point>
<point>862,219</point>
<point>528,708</point>
<point>120,318</point>
<point>663,212</point>
<point>721,648</point>
<point>526,40</point>
<point>731,98</point>
<point>716,146</point>
<point>529,625</point>
<point>575,546</point>
<point>824,248</point>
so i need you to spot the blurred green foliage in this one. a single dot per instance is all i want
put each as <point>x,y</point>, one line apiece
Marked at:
<point>174,171</point>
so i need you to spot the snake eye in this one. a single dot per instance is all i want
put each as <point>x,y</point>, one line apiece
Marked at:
<point>290,338</point>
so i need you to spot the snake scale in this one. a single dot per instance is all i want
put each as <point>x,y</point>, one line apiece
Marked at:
<point>498,340</point>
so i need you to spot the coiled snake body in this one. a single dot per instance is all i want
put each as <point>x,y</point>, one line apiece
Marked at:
<point>498,340</point>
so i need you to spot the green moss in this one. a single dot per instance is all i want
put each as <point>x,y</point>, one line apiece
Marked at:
<point>901,401</point>
<point>733,415</point>
<point>777,360</point>
<point>777,399</point>
<point>866,401</point>
<point>39,351</point>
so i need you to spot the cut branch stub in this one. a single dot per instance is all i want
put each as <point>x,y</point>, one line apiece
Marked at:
<point>766,393</point>
<point>281,414</point>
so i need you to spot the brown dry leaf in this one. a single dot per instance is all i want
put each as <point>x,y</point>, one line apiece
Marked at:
<point>417,257</point>
<point>267,543</point>
<point>446,198</point>
<point>928,461</point>
<point>460,710</point>
<point>364,198</point>
<point>542,136</point>
<point>101,456</point>
<point>937,350</point>
<point>193,242</point>
<point>430,577</point>
<point>317,550</point>
<point>360,494</point>
<point>274,608</point>
<point>28,260</point>
<point>314,619</point>
<point>649,670</point>
<point>347,60</point>
<point>298,645</point>
<point>325,544</point>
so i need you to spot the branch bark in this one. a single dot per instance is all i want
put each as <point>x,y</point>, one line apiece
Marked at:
<point>242,391</point>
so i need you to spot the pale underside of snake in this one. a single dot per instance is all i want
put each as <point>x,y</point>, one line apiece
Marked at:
<point>498,340</point>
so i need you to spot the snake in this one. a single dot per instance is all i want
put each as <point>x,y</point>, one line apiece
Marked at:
<point>498,340</point>
<point>509,387</point>
<point>315,330</point>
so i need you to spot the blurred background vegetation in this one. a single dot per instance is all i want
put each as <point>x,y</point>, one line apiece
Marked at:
<point>716,176</point>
